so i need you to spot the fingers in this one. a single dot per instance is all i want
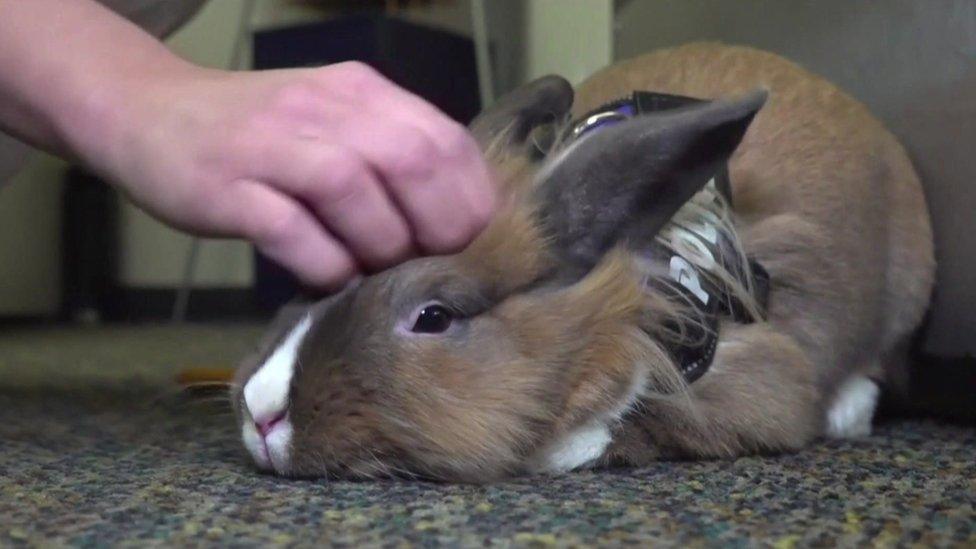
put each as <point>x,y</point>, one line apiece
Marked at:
<point>342,190</point>
<point>384,186</point>
<point>287,233</point>
<point>442,198</point>
<point>461,159</point>
<point>459,165</point>
<point>366,174</point>
<point>429,164</point>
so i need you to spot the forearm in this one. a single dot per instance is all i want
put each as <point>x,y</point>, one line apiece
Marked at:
<point>66,67</point>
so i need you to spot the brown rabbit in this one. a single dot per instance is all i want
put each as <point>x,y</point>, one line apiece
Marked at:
<point>619,310</point>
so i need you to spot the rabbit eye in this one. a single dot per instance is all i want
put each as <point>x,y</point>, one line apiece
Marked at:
<point>433,319</point>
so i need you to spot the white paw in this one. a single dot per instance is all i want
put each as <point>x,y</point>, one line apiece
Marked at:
<point>853,408</point>
<point>575,450</point>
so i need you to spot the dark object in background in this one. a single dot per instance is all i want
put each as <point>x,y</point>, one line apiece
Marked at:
<point>89,258</point>
<point>435,64</point>
<point>389,5</point>
<point>91,291</point>
<point>935,387</point>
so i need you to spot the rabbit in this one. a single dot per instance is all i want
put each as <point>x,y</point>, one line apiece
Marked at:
<point>546,345</point>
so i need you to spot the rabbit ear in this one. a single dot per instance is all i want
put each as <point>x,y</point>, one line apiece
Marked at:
<point>513,117</point>
<point>626,181</point>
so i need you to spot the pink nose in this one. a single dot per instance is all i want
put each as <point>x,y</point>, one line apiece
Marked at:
<point>266,424</point>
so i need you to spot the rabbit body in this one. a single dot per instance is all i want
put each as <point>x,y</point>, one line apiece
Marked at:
<point>828,202</point>
<point>539,348</point>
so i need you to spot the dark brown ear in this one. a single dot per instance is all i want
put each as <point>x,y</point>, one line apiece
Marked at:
<point>625,182</point>
<point>546,99</point>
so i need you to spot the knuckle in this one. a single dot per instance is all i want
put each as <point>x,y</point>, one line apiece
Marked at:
<point>413,158</point>
<point>355,68</point>
<point>341,178</point>
<point>458,143</point>
<point>358,77</point>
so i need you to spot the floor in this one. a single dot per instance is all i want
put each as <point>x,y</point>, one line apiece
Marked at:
<point>100,447</point>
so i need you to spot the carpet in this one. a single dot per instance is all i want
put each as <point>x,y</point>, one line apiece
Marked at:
<point>100,448</point>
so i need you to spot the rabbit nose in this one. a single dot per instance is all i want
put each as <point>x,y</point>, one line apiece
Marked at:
<point>265,424</point>
<point>266,393</point>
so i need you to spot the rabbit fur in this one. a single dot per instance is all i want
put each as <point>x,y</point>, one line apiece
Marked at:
<point>555,355</point>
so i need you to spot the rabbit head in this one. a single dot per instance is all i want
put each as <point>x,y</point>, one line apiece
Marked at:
<point>515,355</point>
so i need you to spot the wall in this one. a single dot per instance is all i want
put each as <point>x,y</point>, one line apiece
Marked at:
<point>913,63</point>
<point>571,38</point>
<point>30,239</point>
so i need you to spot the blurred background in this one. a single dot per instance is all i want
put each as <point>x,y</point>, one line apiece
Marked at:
<point>71,250</point>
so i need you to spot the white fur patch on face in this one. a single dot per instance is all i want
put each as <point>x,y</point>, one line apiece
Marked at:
<point>255,445</point>
<point>278,445</point>
<point>266,393</point>
<point>851,412</point>
<point>266,399</point>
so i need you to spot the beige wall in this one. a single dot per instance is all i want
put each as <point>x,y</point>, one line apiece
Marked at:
<point>572,38</point>
<point>30,239</point>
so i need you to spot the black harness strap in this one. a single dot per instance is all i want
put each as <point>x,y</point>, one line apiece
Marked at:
<point>696,341</point>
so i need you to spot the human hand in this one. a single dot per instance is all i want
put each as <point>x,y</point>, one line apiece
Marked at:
<point>328,171</point>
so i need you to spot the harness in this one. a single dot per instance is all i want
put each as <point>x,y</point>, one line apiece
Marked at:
<point>696,244</point>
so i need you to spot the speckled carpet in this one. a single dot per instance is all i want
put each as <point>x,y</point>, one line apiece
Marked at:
<point>98,448</point>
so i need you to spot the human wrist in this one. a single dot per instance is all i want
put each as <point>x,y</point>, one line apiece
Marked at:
<point>100,111</point>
